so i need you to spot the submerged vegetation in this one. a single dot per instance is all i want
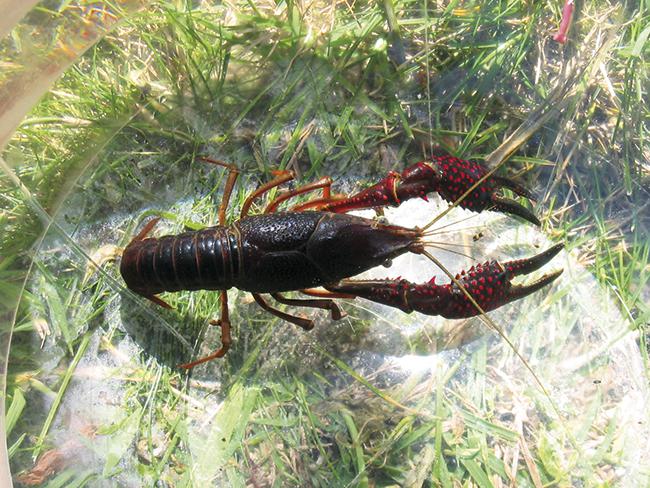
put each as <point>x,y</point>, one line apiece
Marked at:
<point>350,90</point>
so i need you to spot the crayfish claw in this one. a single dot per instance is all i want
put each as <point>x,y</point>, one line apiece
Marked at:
<point>521,291</point>
<point>489,284</point>
<point>528,265</point>
<point>515,186</point>
<point>457,180</point>
<point>465,183</point>
<point>506,205</point>
<point>499,288</point>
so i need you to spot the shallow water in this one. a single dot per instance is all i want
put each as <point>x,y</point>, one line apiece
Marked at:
<point>393,398</point>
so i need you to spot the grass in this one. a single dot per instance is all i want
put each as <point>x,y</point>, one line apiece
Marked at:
<point>380,398</point>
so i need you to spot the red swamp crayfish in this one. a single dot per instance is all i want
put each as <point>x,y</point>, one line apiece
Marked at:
<point>316,244</point>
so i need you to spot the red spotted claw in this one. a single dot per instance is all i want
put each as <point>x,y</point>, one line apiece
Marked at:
<point>489,284</point>
<point>446,175</point>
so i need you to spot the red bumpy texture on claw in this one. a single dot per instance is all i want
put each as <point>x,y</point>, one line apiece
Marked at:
<point>489,284</point>
<point>446,175</point>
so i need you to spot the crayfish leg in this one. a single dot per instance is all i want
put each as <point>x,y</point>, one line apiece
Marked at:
<point>331,305</point>
<point>282,177</point>
<point>145,230</point>
<point>233,173</point>
<point>159,301</point>
<point>303,323</point>
<point>226,339</point>
<point>325,183</point>
<point>320,293</point>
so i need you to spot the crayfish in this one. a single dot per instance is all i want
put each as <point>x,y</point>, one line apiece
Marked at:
<point>315,247</point>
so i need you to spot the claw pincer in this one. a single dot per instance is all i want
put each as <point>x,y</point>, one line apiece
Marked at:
<point>446,175</point>
<point>489,284</point>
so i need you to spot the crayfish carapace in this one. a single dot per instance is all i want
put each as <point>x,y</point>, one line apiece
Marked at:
<point>316,244</point>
